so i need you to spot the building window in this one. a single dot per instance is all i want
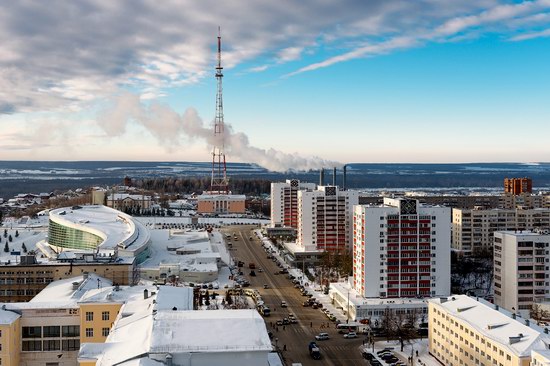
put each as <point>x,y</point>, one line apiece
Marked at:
<point>51,345</point>
<point>32,332</point>
<point>89,332</point>
<point>31,346</point>
<point>51,331</point>
<point>105,315</point>
<point>105,332</point>
<point>89,316</point>
<point>71,331</point>
<point>71,344</point>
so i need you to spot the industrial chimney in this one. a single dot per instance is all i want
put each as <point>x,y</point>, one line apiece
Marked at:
<point>344,178</point>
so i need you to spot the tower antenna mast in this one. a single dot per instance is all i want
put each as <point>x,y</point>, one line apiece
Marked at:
<point>219,183</point>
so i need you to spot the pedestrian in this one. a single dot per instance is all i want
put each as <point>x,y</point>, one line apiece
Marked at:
<point>311,324</point>
<point>284,327</point>
<point>284,347</point>
<point>416,353</point>
<point>276,329</point>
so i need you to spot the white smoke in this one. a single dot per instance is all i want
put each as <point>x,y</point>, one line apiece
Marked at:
<point>169,128</point>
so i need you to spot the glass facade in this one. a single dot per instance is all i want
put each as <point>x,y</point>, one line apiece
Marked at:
<point>67,237</point>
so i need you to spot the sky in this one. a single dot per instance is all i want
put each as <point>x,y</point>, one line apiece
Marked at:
<point>307,84</point>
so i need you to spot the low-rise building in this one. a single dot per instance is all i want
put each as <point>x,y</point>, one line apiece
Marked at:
<point>466,331</point>
<point>374,309</point>
<point>221,203</point>
<point>124,201</point>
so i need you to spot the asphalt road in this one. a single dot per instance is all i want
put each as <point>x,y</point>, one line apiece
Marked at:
<point>336,351</point>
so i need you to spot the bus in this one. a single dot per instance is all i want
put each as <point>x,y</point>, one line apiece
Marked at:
<point>352,327</point>
<point>264,310</point>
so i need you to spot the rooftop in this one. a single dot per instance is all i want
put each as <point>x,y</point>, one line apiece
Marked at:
<point>114,227</point>
<point>497,325</point>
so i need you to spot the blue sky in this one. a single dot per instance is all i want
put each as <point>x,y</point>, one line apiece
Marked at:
<point>306,84</point>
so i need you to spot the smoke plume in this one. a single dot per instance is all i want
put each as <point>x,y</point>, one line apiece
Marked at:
<point>170,128</point>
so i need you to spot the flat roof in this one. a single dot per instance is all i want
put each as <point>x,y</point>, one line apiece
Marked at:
<point>357,300</point>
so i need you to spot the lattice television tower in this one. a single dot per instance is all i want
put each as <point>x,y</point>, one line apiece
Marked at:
<point>219,183</point>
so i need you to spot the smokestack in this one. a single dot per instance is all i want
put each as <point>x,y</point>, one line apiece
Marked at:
<point>344,178</point>
<point>322,177</point>
<point>334,176</point>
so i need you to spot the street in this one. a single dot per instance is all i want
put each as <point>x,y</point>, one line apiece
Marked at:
<point>335,351</point>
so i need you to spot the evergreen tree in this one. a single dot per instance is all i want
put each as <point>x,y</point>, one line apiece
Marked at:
<point>10,238</point>
<point>24,248</point>
<point>6,248</point>
<point>16,233</point>
<point>5,233</point>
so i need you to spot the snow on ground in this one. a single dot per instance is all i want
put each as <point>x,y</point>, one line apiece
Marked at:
<point>416,345</point>
<point>29,236</point>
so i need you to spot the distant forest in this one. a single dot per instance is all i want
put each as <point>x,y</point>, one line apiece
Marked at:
<point>187,185</point>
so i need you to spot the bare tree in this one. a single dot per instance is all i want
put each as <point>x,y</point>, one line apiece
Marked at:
<point>400,325</point>
<point>538,313</point>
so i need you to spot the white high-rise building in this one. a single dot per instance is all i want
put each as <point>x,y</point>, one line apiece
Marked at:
<point>325,219</point>
<point>521,269</point>
<point>402,249</point>
<point>284,202</point>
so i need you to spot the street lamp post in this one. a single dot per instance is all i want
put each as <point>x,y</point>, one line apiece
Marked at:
<point>347,311</point>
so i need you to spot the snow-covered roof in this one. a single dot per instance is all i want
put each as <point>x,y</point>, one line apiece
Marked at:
<point>221,197</point>
<point>8,317</point>
<point>497,325</point>
<point>70,289</point>
<point>114,227</point>
<point>123,196</point>
<point>221,331</point>
<point>357,300</point>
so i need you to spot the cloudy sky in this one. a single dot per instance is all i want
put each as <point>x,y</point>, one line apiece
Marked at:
<point>306,82</point>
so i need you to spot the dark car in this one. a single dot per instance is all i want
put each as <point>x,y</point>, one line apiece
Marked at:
<point>367,355</point>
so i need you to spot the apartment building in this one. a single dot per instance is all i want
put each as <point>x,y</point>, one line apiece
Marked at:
<point>284,202</point>
<point>466,331</point>
<point>401,249</point>
<point>518,186</point>
<point>521,269</point>
<point>473,229</point>
<point>325,219</point>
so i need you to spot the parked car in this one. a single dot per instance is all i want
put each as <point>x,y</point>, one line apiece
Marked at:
<point>266,286</point>
<point>322,336</point>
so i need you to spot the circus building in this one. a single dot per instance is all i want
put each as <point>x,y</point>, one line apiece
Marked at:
<point>97,229</point>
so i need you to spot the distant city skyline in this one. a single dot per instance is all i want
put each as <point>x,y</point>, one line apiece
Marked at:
<point>306,84</point>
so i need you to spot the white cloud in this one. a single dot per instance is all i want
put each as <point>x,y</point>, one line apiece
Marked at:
<point>524,37</point>
<point>57,53</point>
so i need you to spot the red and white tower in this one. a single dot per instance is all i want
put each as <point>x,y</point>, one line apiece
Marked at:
<point>219,183</point>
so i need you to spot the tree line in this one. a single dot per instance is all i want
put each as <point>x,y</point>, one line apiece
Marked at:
<point>188,185</point>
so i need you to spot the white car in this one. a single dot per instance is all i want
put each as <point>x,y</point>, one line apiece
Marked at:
<point>322,336</point>
<point>283,304</point>
<point>350,335</point>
